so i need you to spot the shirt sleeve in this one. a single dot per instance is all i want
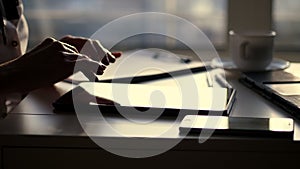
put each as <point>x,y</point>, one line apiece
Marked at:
<point>22,29</point>
<point>17,37</point>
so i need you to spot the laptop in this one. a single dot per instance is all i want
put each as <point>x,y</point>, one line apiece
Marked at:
<point>280,87</point>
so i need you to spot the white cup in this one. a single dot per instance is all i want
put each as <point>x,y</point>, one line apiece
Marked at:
<point>251,51</point>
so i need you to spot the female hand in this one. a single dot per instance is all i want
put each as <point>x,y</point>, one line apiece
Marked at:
<point>92,48</point>
<point>48,63</point>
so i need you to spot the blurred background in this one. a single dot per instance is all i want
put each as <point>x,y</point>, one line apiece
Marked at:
<point>83,18</point>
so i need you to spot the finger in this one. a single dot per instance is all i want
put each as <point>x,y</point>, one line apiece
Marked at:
<point>101,51</point>
<point>90,50</point>
<point>117,54</point>
<point>105,60</point>
<point>46,43</point>
<point>61,46</point>
<point>73,57</point>
<point>102,65</point>
<point>111,57</point>
<point>82,64</point>
<point>75,41</point>
<point>90,65</point>
<point>67,38</point>
<point>88,69</point>
<point>70,46</point>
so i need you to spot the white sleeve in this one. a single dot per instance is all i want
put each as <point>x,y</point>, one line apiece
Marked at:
<point>22,29</point>
<point>17,37</point>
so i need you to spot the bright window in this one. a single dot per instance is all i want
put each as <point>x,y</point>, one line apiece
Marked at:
<point>287,24</point>
<point>83,17</point>
<point>80,17</point>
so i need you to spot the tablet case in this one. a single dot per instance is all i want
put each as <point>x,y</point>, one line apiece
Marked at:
<point>65,104</point>
<point>259,81</point>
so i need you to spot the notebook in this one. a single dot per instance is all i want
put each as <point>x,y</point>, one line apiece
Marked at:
<point>280,87</point>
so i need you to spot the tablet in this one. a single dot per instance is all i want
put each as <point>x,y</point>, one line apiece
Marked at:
<point>280,87</point>
<point>107,96</point>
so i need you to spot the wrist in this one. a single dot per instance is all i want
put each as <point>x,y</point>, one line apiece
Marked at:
<point>3,109</point>
<point>7,74</point>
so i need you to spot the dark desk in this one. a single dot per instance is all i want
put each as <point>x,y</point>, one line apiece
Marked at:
<point>32,136</point>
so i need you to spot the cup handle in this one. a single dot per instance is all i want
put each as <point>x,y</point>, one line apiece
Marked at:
<point>243,49</point>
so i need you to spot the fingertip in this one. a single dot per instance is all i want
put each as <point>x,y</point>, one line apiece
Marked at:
<point>100,69</point>
<point>117,54</point>
<point>100,72</point>
<point>105,61</point>
<point>102,66</point>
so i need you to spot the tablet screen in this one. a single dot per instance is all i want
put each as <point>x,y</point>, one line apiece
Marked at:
<point>286,89</point>
<point>145,95</point>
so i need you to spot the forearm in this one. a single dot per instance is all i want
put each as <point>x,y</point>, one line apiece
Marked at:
<point>7,86</point>
<point>3,91</point>
<point>9,78</point>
